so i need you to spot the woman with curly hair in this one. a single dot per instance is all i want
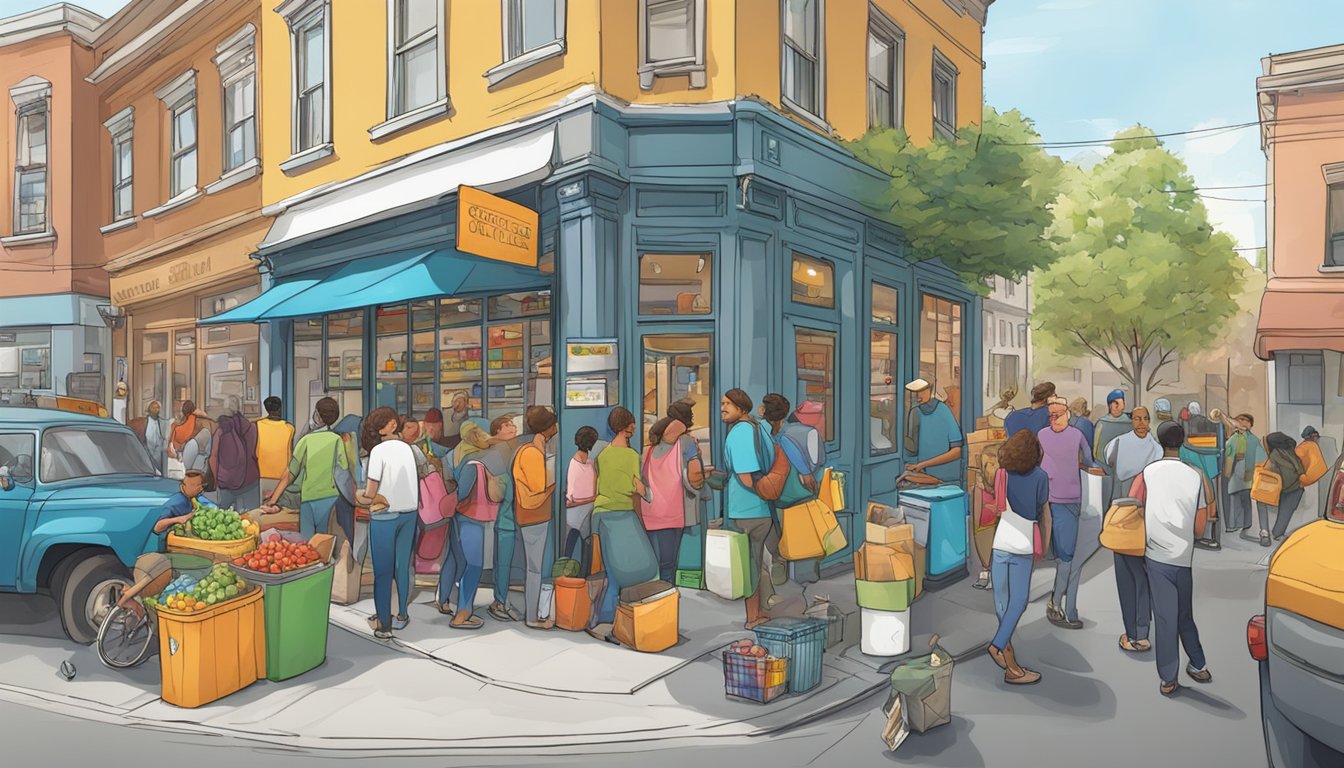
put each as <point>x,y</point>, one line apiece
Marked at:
<point>393,476</point>
<point>1028,506</point>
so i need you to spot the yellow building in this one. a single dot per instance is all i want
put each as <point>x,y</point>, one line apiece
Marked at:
<point>682,213</point>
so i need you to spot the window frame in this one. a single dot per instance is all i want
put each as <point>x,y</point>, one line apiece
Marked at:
<point>797,252</point>
<point>121,130</point>
<point>944,69</point>
<point>938,293</point>
<point>236,60</point>
<point>511,63</point>
<point>1332,239</point>
<point>30,97</point>
<point>882,27</point>
<point>395,101</point>
<point>711,257</point>
<point>895,329</point>
<point>177,96</point>
<point>692,65</point>
<point>817,117</point>
<point>300,16</point>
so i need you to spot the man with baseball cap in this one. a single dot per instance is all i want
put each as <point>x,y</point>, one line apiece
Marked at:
<point>933,438</point>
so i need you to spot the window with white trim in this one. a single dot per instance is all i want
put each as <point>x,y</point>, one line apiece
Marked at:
<point>32,111</point>
<point>944,96</point>
<point>802,53</point>
<point>530,25</point>
<point>310,71</point>
<point>121,128</point>
<point>1334,250</point>
<point>237,62</point>
<point>179,97</point>
<point>886,72</point>
<point>671,40</point>
<point>416,54</point>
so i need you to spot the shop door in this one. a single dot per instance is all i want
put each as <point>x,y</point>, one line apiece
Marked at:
<point>883,391</point>
<point>811,373</point>
<point>677,366</point>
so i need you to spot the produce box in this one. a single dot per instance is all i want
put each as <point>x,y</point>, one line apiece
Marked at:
<point>219,534</point>
<point>284,556</point>
<point>882,562</point>
<point>284,520</point>
<point>888,530</point>
<point>990,435</point>
<point>647,617</point>
<point>207,654</point>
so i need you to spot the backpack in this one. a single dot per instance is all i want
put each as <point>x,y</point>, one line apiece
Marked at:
<point>231,455</point>
<point>769,484</point>
<point>793,439</point>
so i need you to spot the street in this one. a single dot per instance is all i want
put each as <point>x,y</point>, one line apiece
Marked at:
<point>1095,705</point>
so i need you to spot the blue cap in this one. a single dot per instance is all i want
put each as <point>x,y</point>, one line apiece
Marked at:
<point>1116,394</point>
<point>1162,405</point>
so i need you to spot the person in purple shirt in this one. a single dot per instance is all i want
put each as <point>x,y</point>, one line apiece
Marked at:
<point>1034,418</point>
<point>1064,451</point>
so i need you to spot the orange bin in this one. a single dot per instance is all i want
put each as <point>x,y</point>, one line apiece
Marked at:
<point>573,606</point>
<point>208,655</point>
<point>647,617</point>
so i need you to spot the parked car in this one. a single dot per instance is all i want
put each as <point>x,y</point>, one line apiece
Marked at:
<point>78,504</point>
<point>1299,645</point>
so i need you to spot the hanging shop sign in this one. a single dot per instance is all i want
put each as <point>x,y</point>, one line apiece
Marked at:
<point>495,228</point>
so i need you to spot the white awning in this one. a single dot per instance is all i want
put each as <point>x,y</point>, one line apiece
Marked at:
<point>413,183</point>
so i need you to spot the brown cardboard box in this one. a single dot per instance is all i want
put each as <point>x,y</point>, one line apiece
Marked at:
<point>324,543</point>
<point>877,562</point>
<point>881,521</point>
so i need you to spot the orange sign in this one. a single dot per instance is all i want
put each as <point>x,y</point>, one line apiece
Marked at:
<point>490,226</point>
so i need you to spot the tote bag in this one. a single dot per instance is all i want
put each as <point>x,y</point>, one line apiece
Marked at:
<point>436,504</point>
<point>1123,530</point>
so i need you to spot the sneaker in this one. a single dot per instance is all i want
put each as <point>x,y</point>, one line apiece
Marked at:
<point>382,633</point>
<point>983,581</point>
<point>1059,621</point>
<point>400,622</point>
<point>1199,675</point>
<point>1265,541</point>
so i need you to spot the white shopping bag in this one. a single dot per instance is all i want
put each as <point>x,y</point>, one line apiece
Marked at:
<point>547,602</point>
<point>175,469</point>
<point>1094,495</point>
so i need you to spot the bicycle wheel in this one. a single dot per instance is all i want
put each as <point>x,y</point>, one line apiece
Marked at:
<point>126,637</point>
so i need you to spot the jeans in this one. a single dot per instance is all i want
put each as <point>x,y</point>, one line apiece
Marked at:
<point>506,543</point>
<point>1011,575</point>
<point>1288,502</point>
<point>606,609</point>
<point>1136,603</point>
<point>1068,571</point>
<point>1174,619</point>
<point>539,554</point>
<point>315,516</point>
<point>666,544</point>
<point>242,499</point>
<point>464,562</point>
<point>391,541</point>
<point>1238,515</point>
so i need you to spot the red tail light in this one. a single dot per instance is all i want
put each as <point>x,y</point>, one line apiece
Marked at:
<point>1257,639</point>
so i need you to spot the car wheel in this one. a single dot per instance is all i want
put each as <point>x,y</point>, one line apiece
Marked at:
<point>1286,746</point>
<point>88,594</point>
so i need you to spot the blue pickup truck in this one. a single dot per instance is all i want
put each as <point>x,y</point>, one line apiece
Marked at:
<point>78,501</point>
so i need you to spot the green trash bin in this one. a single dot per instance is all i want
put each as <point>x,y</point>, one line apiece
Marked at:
<point>297,607</point>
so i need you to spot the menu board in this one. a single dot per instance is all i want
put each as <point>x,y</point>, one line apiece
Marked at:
<point>591,355</point>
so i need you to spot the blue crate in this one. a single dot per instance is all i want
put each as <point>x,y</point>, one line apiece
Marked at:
<point>802,642</point>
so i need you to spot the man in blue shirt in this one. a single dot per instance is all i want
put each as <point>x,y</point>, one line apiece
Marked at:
<point>181,506</point>
<point>1035,418</point>
<point>937,438</point>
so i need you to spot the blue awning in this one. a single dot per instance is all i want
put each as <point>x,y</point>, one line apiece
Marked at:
<point>387,279</point>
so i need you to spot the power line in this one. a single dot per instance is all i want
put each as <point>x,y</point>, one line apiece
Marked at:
<point>1232,199</point>
<point>1251,248</point>
<point>1214,130</point>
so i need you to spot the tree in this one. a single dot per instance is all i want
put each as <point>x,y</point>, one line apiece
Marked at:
<point>1141,274</point>
<point>980,203</point>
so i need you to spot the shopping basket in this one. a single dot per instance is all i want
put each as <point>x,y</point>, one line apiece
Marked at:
<point>755,678</point>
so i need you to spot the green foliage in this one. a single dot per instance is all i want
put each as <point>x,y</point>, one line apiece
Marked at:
<point>1141,274</point>
<point>981,203</point>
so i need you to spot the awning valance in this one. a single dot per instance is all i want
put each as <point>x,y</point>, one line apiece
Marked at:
<point>1299,320</point>
<point>385,279</point>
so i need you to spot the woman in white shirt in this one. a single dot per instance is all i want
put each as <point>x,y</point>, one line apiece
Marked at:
<point>393,476</point>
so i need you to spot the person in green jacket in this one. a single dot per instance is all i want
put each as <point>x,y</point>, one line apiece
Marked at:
<point>1243,452</point>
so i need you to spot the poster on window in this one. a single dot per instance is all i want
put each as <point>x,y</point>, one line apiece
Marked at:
<point>590,355</point>
<point>586,393</point>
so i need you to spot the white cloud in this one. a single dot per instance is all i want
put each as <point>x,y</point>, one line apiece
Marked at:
<point>1066,5</point>
<point>1017,46</point>
<point>1214,142</point>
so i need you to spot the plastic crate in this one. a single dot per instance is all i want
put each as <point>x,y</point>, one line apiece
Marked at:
<point>802,642</point>
<point>691,579</point>
<point>755,678</point>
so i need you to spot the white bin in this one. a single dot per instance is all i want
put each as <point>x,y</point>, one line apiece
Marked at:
<point>884,633</point>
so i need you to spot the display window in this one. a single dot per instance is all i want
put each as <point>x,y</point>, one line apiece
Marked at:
<point>25,359</point>
<point>813,281</point>
<point>677,367</point>
<point>817,371</point>
<point>883,369</point>
<point>940,347</point>
<point>676,284</point>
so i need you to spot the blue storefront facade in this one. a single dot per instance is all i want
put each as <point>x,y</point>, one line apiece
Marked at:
<point>703,248</point>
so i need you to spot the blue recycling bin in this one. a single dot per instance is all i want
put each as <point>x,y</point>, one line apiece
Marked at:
<point>939,516</point>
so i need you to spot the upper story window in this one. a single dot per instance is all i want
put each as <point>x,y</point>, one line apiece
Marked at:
<point>32,112</point>
<point>886,72</point>
<point>1010,286</point>
<point>122,129</point>
<point>179,97</point>
<point>944,96</point>
<point>802,67</point>
<point>676,284</point>
<point>237,62</point>
<point>671,40</point>
<point>310,66</point>
<point>1334,248</point>
<point>416,52</point>
<point>531,25</point>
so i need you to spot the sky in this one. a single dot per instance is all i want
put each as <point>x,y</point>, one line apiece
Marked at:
<point>1083,69</point>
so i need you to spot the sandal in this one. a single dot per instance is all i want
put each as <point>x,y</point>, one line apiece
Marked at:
<point>1143,645</point>
<point>400,622</point>
<point>444,608</point>
<point>382,633</point>
<point>1169,689</point>
<point>501,612</point>
<point>1129,646</point>
<point>471,622</point>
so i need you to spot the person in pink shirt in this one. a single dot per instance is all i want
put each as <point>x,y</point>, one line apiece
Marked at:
<point>664,516</point>
<point>580,492</point>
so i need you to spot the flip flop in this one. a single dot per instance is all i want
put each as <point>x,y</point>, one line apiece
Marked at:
<point>444,609</point>
<point>471,622</point>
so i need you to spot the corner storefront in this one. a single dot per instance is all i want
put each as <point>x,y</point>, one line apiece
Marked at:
<point>64,354</point>
<point>677,255</point>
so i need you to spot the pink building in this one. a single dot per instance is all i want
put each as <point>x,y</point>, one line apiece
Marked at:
<point>1301,327</point>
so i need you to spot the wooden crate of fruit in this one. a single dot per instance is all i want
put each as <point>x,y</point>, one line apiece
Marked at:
<point>219,534</point>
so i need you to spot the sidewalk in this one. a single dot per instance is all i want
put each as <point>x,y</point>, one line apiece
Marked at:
<point>499,688</point>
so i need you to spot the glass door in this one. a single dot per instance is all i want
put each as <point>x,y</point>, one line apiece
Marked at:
<point>677,368</point>
<point>184,359</point>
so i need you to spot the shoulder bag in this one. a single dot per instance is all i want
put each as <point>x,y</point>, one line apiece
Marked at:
<point>1123,530</point>
<point>1266,485</point>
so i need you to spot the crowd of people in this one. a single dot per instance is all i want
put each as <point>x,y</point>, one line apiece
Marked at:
<point>1146,462</point>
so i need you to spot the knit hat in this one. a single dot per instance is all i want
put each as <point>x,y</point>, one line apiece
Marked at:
<point>1116,394</point>
<point>435,416</point>
<point>1162,405</point>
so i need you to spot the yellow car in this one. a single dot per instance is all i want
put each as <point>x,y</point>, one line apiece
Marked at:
<point>1299,644</point>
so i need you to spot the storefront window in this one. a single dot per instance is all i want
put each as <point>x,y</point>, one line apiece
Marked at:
<point>391,361</point>
<point>540,377</point>
<point>460,358</point>
<point>677,367</point>
<point>940,345</point>
<point>885,300</point>
<point>816,372</point>
<point>184,353</point>
<point>813,281</point>
<point>505,395</point>
<point>25,359</point>
<point>345,359</point>
<point>532,304</point>
<point>882,402</point>
<point>675,284</point>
